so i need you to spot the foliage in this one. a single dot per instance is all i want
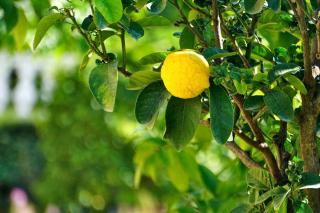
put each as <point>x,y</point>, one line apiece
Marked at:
<point>262,103</point>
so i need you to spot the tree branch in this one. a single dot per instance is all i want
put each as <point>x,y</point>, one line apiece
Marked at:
<point>242,155</point>
<point>300,17</point>
<point>216,25</point>
<point>189,25</point>
<point>279,141</point>
<point>234,43</point>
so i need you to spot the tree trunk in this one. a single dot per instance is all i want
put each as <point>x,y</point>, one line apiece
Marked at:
<point>308,145</point>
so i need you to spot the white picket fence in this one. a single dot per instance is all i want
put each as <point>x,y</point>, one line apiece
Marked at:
<point>28,66</point>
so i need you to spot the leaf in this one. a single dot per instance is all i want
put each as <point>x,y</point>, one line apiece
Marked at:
<point>253,103</point>
<point>209,179</point>
<point>279,198</point>
<point>221,114</point>
<point>99,20</point>
<point>111,10</point>
<point>103,81</point>
<point>182,119</point>
<point>280,104</point>
<point>242,208</point>
<point>10,14</point>
<point>241,86</point>
<point>259,179</point>
<point>253,6</point>
<point>20,30</point>
<point>187,39</point>
<point>296,83</point>
<point>282,69</point>
<point>87,23</point>
<point>274,4</point>
<point>140,80</point>
<point>133,28</point>
<point>153,58</point>
<point>271,193</point>
<point>149,101</point>
<point>214,53</point>
<point>310,181</point>
<point>177,173</point>
<point>156,6</point>
<point>154,21</point>
<point>261,52</point>
<point>302,207</point>
<point>85,60</point>
<point>45,23</point>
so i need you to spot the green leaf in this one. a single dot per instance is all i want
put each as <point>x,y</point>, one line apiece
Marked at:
<point>282,69</point>
<point>213,53</point>
<point>302,207</point>
<point>221,114</point>
<point>280,104</point>
<point>187,39</point>
<point>85,60</point>
<point>111,10</point>
<point>259,179</point>
<point>182,119</point>
<point>20,30</point>
<point>140,80</point>
<point>103,81</point>
<point>241,86</point>
<point>43,26</point>
<point>99,20</point>
<point>133,28</point>
<point>209,179</point>
<point>261,52</point>
<point>156,6</point>
<point>177,172</point>
<point>242,208</point>
<point>10,15</point>
<point>253,6</point>
<point>253,103</point>
<point>296,83</point>
<point>149,101</point>
<point>153,58</point>
<point>271,193</point>
<point>154,21</point>
<point>310,181</point>
<point>274,4</point>
<point>279,198</point>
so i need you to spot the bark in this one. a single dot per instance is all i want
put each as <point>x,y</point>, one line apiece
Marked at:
<point>309,152</point>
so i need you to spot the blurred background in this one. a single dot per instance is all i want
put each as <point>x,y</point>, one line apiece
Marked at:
<point>60,152</point>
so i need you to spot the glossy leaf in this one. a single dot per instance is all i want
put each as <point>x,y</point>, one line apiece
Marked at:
<point>140,80</point>
<point>43,26</point>
<point>280,104</point>
<point>274,4</point>
<point>261,52</point>
<point>133,28</point>
<point>282,69</point>
<point>149,102</point>
<point>296,83</point>
<point>271,193</point>
<point>187,39</point>
<point>99,20</point>
<point>110,10</point>
<point>103,81</point>
<point>156,6</point>
<point>182,119</point>
<point>213,53</point>
<point>154,21</point>
<point>279,198</point>
<point>253,103</point>
<point>153,58</point>
<point>221,114</point>
<point>310,181</point>
<point>253,6</point>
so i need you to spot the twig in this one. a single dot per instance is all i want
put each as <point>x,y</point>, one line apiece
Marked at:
<point>253,26</point>
<point>234,44</point>
<point>279,141</point>
<point>189,25</point>
<point>123,47</point>
<point>299,15</point>
<point>242,155</point>
<point>216,25</point>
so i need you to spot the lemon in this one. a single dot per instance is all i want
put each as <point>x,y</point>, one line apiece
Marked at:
<point>185,74</point>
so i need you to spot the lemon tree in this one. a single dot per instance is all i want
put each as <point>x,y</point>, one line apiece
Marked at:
<point>232,72</point>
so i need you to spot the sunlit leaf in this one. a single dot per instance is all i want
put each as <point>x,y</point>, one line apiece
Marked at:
<point>103,81</point>
<point>110,10</point>
<point>140,80</point>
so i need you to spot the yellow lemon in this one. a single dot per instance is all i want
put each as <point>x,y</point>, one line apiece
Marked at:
<point>185,74</point>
